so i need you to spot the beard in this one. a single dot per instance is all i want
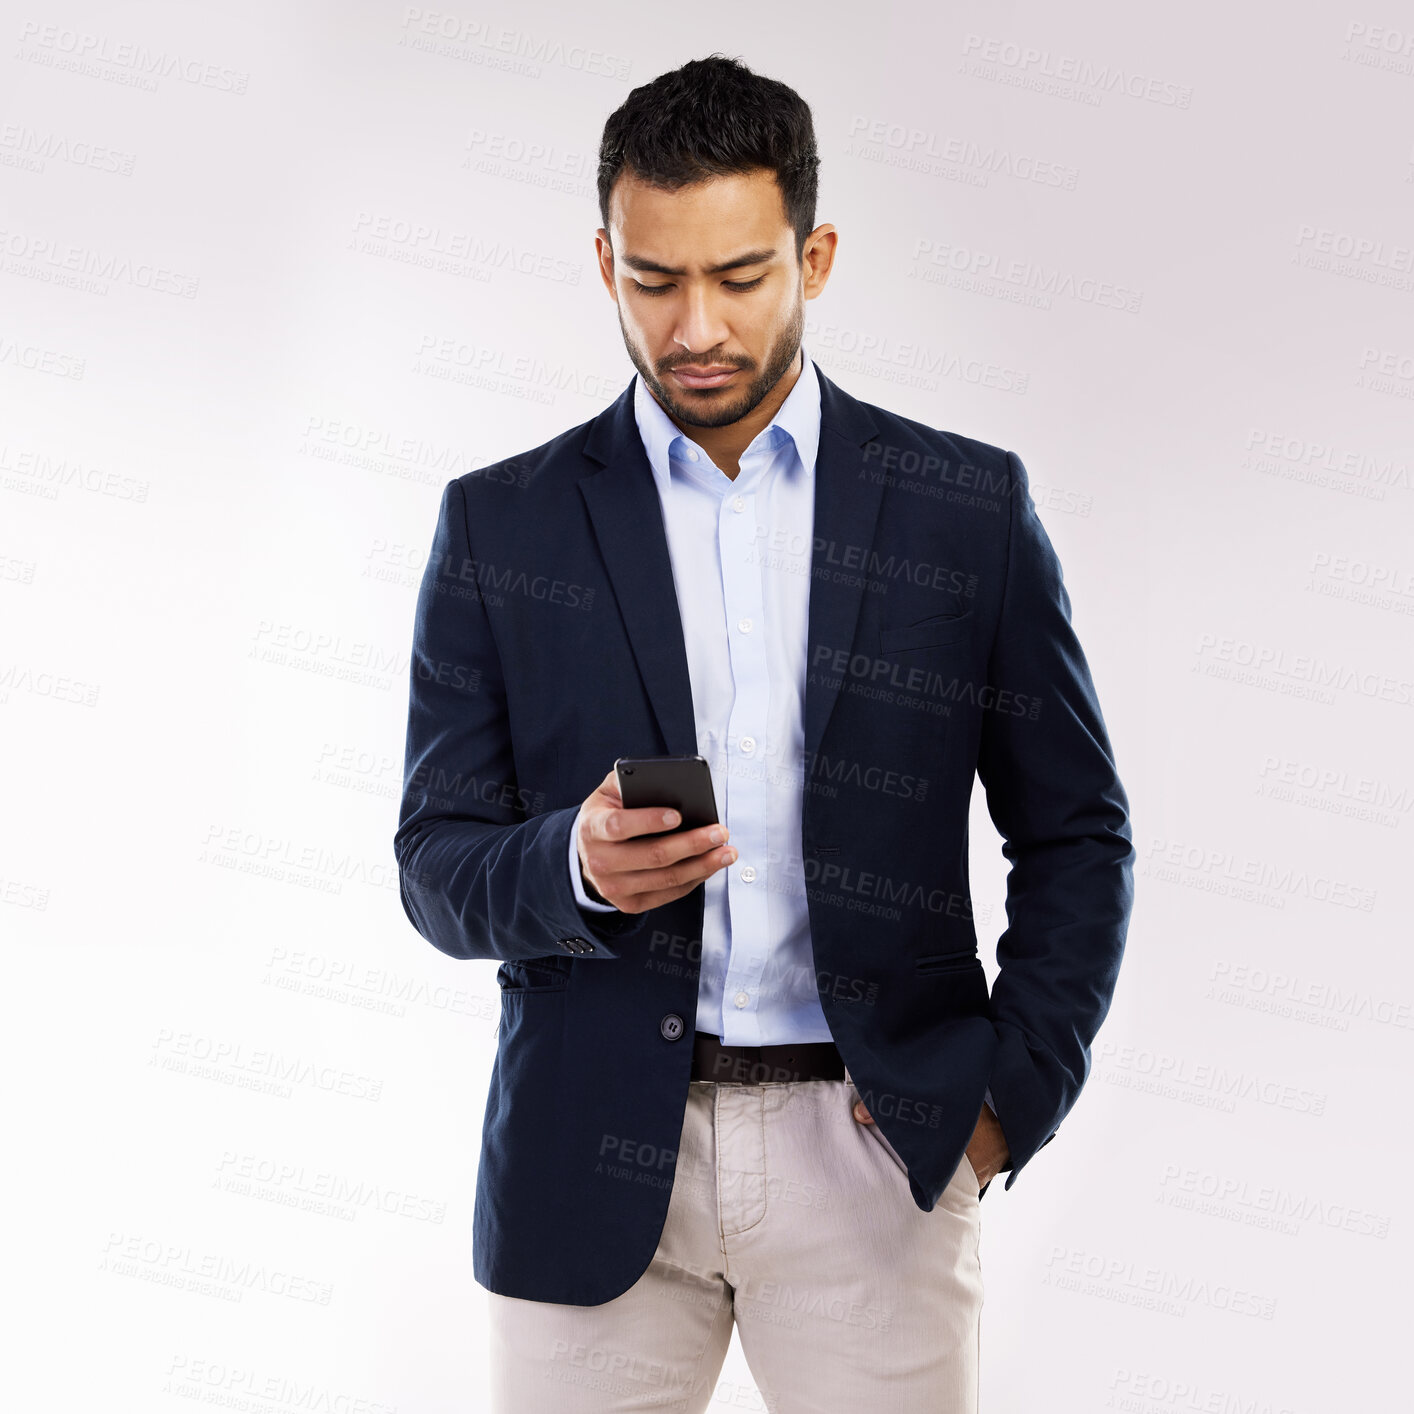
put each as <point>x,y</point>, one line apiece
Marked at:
<point>720,407</point>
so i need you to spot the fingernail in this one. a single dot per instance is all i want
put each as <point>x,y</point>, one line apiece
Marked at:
<point>670,817</point>
<point>716,837</point>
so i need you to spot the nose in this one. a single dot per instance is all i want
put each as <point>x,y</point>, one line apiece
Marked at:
<point>698,325</point>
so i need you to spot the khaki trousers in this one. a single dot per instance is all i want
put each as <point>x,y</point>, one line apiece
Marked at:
<point>794,1221</point>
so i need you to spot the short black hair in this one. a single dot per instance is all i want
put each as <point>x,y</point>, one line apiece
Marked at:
<point>712,117</point>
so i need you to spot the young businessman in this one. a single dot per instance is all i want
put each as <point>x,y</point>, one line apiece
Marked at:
<point>753,1075</point>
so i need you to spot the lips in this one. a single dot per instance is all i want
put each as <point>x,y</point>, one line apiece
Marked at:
<point>705,378</point>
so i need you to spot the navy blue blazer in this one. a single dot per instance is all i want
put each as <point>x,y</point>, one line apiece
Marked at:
<point>547,642</point>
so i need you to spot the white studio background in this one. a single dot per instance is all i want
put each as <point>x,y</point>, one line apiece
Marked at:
<point>271,274</point>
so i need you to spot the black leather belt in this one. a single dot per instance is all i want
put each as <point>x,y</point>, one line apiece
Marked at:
<point>759,1065</point>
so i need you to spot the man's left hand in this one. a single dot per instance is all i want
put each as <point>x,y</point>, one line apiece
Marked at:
<point>987,1150</point>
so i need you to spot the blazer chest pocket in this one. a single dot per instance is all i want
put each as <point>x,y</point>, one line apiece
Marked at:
<point>946,962</point>
<point>926,633</point>
<point>547,974</point>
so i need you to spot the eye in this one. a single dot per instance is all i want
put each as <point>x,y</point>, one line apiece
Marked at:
<point>738,286</point>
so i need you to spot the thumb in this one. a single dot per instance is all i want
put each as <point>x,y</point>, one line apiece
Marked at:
<point>862,1114</point>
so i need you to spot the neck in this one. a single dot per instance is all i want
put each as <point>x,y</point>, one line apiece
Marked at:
<point>726,444</point>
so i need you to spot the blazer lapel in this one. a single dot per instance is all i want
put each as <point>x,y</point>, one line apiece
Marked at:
<point>846,509</point>
<point>627,518</point>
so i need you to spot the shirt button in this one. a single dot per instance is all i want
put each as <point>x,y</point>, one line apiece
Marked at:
<point>748,872</point>
<point>738,504</point>
<point>691,454</point>
<point>744,625</point>
<point>741,999</point>
<point>748,745</point>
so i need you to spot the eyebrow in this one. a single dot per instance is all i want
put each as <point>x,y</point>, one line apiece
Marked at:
<point>751,257</point>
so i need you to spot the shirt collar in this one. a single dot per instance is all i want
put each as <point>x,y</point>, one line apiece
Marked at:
<point>798,415</point>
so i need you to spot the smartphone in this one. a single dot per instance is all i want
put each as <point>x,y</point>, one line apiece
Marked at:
<point>682,782</point>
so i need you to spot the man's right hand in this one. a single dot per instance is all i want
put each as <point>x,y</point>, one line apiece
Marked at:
<point>630,863</point>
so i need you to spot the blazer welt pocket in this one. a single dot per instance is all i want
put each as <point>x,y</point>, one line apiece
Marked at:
<point>549,975</point>
<point>947,962</point>
<point>926,633</point>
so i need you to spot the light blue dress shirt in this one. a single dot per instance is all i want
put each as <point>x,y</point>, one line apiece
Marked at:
<point>741,558</point>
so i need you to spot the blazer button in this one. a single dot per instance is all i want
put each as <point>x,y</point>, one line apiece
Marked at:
<point>671,1026</point>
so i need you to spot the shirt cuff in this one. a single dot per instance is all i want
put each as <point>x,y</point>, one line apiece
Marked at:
<point>580,896</point>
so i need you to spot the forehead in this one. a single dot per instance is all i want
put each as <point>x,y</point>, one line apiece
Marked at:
<point>698,225</point>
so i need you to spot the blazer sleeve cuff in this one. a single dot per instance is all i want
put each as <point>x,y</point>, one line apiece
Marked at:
<point>1029,1120</point>
<point>597,927</point>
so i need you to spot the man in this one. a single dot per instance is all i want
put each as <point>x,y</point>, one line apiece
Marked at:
<point>753,1075</point>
